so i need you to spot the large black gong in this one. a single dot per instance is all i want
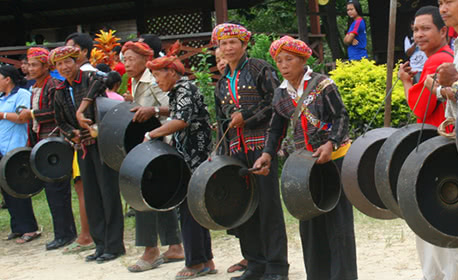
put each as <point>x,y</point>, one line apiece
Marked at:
<point>428,191</point>
<point>390,158</point>
<point>51,159</point>
<point>118,134</point>
<point>102,106</point>
<point>358,173</point>
<point>154,176</point>
<point>16,175</point>
<point>218,197</point>
<point>309,189</point>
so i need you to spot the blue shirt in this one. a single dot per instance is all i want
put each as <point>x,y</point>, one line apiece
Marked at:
<point>13,135</point>
<point>56,75</point>
<point>358,27</point>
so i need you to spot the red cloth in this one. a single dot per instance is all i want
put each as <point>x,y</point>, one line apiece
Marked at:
<point>452,33</point>
<point>436,110</point>
<point>120,68</point>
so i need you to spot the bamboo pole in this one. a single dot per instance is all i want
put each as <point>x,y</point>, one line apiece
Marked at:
<point>390,60</point>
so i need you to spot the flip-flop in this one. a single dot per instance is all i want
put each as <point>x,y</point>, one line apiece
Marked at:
<point>194,273</point>
<point>170,260</point>
<point>142,265</point>
<point>27,238</point>
<point>212,271</point>
<point>242,267</point>
<point>75,248</point>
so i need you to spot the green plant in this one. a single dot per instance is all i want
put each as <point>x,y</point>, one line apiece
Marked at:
<point>205,83</point>
<point>362,85</point>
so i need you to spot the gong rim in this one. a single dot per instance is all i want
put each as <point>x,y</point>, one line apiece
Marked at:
<point>422,206</point>
<point>358,173</point>
<point>118,134</point>
<point>202,194</point>
<point>53,160</point>
<point>25,169</point>
<point>390,158</point>
<point>148,180</point>
<point>305,197</point>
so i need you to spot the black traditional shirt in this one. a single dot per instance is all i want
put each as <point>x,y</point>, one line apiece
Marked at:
<point>68,99</point>
<point>44,112</point>
<point>186,103</point>
<point>323,113</point>
<point>249,90</point>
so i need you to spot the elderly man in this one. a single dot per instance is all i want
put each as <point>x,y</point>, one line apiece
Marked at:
<point>244,96</point>
<point>430,34</point>
<point>41,126</point>
<point>101,190</point>
<point>147,93</point>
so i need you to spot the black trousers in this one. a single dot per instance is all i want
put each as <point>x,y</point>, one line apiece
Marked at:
<point>328,243</point>
<point>21,213</point>
<point>196,239</point>
<point>263,237</point>
<point>149,224</point>
<point>59,197</point>
<point>103,202</point>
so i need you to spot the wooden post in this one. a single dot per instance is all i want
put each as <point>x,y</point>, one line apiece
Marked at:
<point>301,12</point>
<point>332,33</point>
<point>140,17</point>
<point>315,27</point>
<point>221,11</point>
<point>20,24</point>
<point>390,60</point>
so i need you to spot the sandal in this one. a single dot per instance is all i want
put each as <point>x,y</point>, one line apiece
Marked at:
<point>194,273</point>
<point>13,235</point>
<point>142,265</point>
<point>75,248</point>
<point>170,260</point>
<point>27,237</point>
<point>236,267</point>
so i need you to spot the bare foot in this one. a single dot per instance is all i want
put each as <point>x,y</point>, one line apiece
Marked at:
<point>84,240</point>
<point>174,252</point>
<point>240,266</point>
<point>210,264</point>
<point>194,270</point>
<point>150,254</point>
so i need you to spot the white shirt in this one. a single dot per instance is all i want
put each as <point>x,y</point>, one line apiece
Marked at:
<point>417,59</point>
<point>300,90</point>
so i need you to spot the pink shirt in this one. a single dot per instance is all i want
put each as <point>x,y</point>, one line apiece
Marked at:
<point>114,95</point>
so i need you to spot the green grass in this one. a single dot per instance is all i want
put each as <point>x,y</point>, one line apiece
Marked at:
<point>43,215</point>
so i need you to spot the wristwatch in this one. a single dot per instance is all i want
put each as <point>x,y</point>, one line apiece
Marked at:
<point>156,111</point>
<point>455,88</point>
<point>147,136</point>
<point>335,146</point>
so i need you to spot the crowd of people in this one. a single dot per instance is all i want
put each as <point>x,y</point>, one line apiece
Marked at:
<point>254,107</point>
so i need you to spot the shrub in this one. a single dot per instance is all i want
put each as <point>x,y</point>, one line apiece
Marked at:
<point>204,82</point>
<point>362,85</point>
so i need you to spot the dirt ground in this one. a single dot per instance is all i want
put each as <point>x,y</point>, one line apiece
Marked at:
<point>386,251</point>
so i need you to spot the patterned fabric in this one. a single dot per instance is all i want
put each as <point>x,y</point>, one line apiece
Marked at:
<point>62,53</point>
<point>169,61</point>
<point>230,30</point>
<point>287,43</point>
<point>138,47</point>
<point>323,106</point>
<point>186,103</point>
<point>249,91</point>
<point>39,54</point>
<point>44,124</point>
